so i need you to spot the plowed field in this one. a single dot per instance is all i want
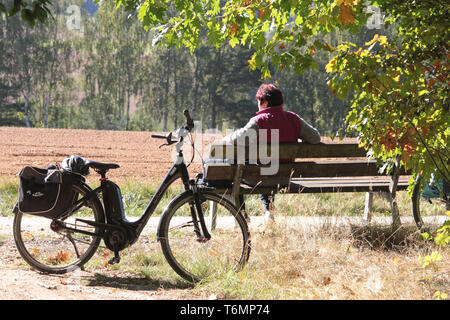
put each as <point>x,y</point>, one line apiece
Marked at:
<point>137,153</point>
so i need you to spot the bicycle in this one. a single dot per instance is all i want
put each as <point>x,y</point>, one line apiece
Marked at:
<point>430,203</point>
<point>191,249</point>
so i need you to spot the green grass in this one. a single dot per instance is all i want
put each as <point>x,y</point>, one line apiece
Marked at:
<point>136,196</point>
<point>8,196</point>
<point>327,204</point>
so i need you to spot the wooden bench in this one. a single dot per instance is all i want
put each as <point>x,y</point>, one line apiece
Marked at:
<point>319,168</point>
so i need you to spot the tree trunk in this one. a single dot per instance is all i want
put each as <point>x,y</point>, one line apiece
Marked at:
<point>118,99</point>
<point>166,92</point>
<point>26,95</point>
<point>213,116</point>
<point>196,83</point>
<point>396,223</point>
<point>175,92</point>
<point>128,107</point>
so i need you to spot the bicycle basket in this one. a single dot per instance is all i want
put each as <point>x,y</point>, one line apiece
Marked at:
<point>45,192</point>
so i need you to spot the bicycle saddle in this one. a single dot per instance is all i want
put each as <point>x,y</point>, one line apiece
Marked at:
<point>101,166</point>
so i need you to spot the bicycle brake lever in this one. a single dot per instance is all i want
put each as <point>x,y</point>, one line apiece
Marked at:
<point>189,121</point>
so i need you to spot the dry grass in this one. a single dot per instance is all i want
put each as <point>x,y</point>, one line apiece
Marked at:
<point>336,257</point>
<point>331,261</point>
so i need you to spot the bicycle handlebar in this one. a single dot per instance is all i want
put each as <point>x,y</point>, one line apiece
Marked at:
<point>159,136</point>
<point>168,137</point>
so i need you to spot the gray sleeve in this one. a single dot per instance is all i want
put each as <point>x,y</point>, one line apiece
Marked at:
<point>308,133</point>
<point>250,130</point>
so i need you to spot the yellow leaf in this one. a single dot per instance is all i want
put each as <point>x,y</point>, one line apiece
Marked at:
<point>331,66</point>
<point>375,38</point>
<point>328,47</point>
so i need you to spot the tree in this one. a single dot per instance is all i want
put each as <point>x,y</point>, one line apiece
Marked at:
<point>400,86</point>
<point>38,64</point>
<point>400,92</point>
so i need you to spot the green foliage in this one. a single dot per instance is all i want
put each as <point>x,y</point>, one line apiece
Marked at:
<point>442,236</point>
<point>279,31</point>
<point>30,11</point>
<point>400,104</point>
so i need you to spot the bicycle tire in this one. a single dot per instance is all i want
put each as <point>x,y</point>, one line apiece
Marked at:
<point>428,215</point>
<point>55,252</point>
<point>193,260</point>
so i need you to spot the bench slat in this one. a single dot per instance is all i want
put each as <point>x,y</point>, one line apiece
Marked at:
<point>326,185</point>
<point>289,150</point>
<point>354,168</point>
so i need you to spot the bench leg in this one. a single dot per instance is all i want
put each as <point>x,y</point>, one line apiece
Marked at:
<point>368,207</point>
<point>213,214</point>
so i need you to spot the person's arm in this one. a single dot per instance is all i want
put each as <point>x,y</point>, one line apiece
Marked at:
<point>250,130</point>
<point>308,133</point>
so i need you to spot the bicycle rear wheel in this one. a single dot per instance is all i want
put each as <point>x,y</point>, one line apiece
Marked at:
<point>194,258</point>
<point>50,248</point>
<point>429,213</point>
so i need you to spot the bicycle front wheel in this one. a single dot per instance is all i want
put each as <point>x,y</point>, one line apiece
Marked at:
<point>192,257</point>
<point>50,248</point>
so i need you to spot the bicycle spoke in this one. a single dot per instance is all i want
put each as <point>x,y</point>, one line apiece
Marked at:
<point>184,225</point>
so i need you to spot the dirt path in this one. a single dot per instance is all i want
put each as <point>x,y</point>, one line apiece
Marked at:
<point>19,282</point>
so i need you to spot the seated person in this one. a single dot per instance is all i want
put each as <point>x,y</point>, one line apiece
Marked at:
<point>272,116</point>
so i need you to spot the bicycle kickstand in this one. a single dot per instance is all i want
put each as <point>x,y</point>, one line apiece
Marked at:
<point>116,258</point>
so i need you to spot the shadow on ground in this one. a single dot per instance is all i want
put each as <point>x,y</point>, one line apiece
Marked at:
<point>387,238</point>
<point>135,283</point>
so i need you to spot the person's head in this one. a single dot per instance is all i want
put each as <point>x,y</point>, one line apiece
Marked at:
<point>269,95</point>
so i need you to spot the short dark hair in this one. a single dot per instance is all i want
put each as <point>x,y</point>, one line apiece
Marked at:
<point>271,94</point>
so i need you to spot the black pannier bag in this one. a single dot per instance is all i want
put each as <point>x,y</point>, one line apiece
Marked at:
<point>45,192</point>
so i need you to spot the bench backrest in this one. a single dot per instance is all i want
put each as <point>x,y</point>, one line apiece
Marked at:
<point>332,159</point>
